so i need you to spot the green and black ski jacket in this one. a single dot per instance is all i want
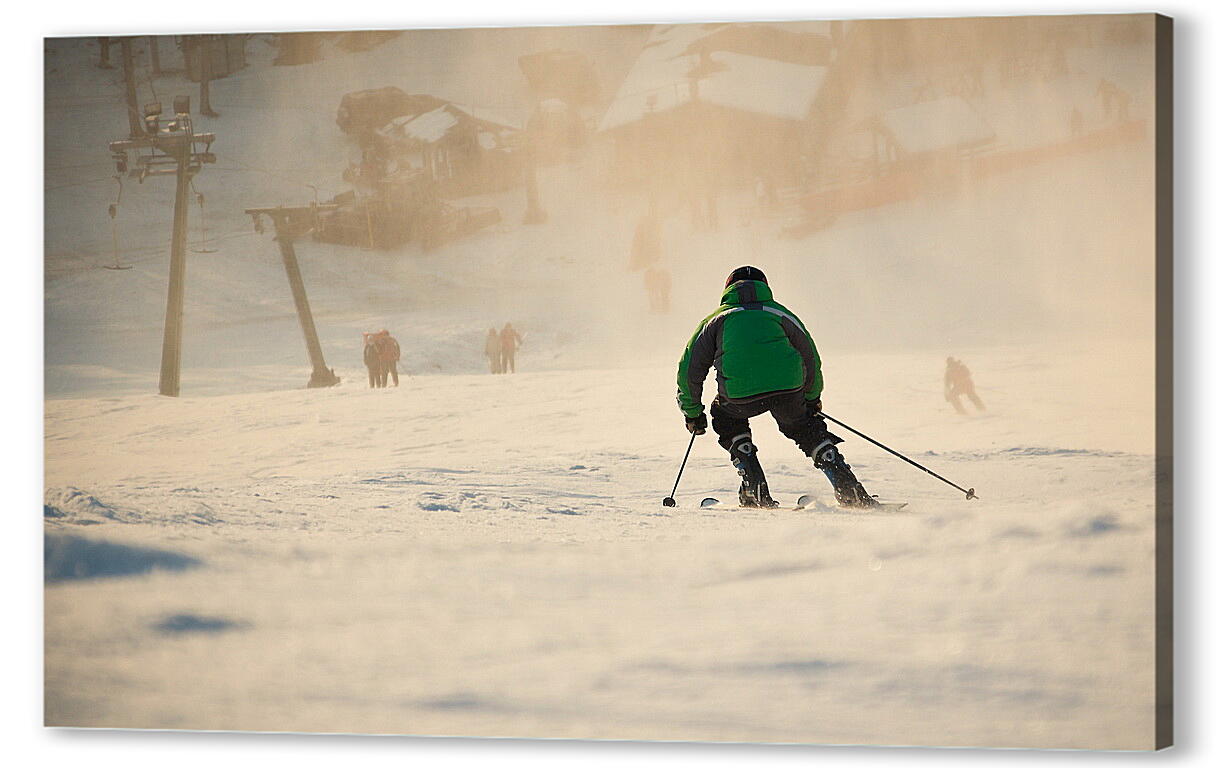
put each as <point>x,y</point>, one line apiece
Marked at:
<point>758,347</point>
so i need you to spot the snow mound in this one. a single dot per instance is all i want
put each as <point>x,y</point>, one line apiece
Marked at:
<point>72,505</point>
<point>473,501</point>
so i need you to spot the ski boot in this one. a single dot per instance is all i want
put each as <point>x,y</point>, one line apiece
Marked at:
<point>849,492</point>
<point>754,489</point>
<point>854,495</point>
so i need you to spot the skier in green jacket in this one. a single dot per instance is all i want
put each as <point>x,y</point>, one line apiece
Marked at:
<point>766,362</point>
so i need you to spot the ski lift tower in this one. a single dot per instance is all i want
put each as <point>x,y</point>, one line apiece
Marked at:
<point>290,223</point>
<point>166,148</point>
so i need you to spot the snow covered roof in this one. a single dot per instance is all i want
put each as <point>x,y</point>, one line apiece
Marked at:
<point>761,85</point>
<point>929,126</point>
<point>501,117</point>
<point>660,80</point>
<point>430,126</point>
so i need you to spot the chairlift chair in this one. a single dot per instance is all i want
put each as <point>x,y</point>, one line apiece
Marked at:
<point>112,210</point>
<point>204,235</point>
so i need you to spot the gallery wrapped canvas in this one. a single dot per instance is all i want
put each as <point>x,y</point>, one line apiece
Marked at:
<point>799,381</point>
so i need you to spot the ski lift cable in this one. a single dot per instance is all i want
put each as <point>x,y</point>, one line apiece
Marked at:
<point>276,175</point>
<point>77,183</point>
<point>157,255</point>
<point>148,254</point>
<point>74,166</point>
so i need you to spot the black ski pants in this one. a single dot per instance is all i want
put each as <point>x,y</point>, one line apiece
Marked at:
<point>731,420</point>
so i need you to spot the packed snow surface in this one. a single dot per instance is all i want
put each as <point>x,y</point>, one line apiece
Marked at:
<point>488,555</point>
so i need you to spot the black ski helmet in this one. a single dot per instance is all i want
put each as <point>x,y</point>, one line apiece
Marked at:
<point>746,273</point>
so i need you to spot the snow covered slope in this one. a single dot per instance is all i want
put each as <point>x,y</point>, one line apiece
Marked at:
<point>488,555</point>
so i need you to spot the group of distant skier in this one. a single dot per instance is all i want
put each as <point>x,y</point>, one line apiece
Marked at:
<point>501,347</point>
<point>380,354</point>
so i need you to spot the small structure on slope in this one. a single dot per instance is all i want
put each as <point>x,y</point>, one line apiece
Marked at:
<point>417,150</point>
<point>710,105</point>
<point>463,153</point>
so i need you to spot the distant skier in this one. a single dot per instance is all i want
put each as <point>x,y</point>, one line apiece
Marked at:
<point>509,342</point>
<point>657,286</point>
<point>1114,100</point>
<point>765,196</point>
<point>958,381</point>
<point>492,349</point>
<point>766,362</point>
<point>371,359</point>
<point>1076,123</point>
<point>390,353</point>
<point>646,241</point>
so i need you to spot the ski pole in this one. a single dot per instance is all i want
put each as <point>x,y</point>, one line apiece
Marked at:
<point>669,500</point>
<point>968,492</point>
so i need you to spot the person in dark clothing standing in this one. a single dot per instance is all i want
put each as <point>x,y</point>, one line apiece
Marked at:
<point>646,241</point>
<point>371,359</point>
<point>766,362</point>
<point>509,342</point>
<point>492,350</point>
<point>390,353</point>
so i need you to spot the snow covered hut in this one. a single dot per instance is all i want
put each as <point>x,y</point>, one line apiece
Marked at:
<point>464,150</point>
<point>707,104</point>
<point>362,113</point>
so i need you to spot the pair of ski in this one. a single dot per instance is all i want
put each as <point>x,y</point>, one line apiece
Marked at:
<point>807,501</point>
